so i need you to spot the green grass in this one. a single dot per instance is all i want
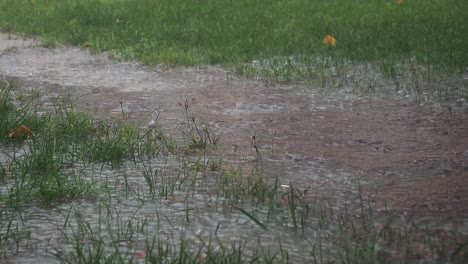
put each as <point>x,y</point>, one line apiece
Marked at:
<point>236,33</point>
<point>48,166</point>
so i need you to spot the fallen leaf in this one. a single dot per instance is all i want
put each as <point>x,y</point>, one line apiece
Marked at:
<point>139,255</point>
<point>202,257</point>
<point>329,41</point>
<point>21,132</point>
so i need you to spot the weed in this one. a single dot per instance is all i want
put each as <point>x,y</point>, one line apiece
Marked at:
<point>198,135</point>
<point>150,176</point>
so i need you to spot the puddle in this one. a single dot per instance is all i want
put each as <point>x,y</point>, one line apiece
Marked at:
<point>323,140</point>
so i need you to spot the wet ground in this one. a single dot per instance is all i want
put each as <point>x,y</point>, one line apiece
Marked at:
<point>413,156</point>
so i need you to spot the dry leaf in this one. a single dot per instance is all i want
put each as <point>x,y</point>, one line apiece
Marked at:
<point>21,132</point>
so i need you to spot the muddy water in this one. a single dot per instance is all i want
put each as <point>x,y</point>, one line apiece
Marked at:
<point>323,140</point>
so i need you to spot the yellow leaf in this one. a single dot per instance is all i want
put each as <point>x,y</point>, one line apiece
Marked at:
<point>329,41</point>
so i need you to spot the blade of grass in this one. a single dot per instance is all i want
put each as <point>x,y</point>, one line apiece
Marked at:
<point>253,218</point>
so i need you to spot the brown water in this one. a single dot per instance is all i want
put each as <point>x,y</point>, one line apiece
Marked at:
<point>411,155</point>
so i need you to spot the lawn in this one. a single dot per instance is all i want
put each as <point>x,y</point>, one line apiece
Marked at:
<point>236,33</point>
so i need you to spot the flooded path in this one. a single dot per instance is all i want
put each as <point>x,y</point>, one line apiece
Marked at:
<point>413,157</point>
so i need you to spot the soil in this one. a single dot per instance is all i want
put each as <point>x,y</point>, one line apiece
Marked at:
<point>413,156</point>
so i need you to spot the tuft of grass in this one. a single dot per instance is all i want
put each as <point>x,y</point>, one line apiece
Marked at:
<point>48,166</point>
<point>198,135</point>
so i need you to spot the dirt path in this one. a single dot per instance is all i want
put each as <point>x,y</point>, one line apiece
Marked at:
<point>414,157</point>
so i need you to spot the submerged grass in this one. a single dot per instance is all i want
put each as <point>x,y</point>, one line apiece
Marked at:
<point>278,33</point>
<point>48,170</point>
<point>49,165</point>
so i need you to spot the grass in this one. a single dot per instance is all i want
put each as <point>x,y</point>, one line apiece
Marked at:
<point>113,198</point>
<point>49,165</point>
<point>284,37</point>
<point>197,135</point>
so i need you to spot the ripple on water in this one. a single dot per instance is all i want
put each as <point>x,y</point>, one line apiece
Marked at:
<point>275,115</point>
